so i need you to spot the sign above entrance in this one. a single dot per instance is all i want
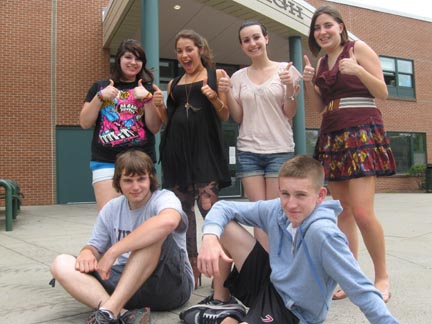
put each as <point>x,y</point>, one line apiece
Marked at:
<point>295,15</point>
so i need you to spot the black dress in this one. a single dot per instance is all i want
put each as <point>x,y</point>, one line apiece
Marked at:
<point>192,149</point>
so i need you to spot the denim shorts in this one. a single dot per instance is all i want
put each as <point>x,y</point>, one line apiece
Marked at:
<point>256,164</point>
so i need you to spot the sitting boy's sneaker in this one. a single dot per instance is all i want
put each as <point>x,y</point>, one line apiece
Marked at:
<point>212,314</point>
<point>136,316</point>
<point>209,300</point>
<point>101,316</point>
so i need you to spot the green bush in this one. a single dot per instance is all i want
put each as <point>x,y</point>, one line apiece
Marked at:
<point>419,170</point>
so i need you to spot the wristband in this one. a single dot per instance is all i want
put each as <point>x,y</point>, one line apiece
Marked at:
<point>147,98</point>
<point>100,96</point>
<point>223,105</point>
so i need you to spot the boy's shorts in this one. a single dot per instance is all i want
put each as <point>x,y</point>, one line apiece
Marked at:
<point>168,287</point>
<point>253,288</point>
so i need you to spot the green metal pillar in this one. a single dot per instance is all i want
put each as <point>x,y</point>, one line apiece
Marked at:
<point>296,55</point>
<point>150,42</point>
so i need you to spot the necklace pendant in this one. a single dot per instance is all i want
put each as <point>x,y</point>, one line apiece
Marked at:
<point>187,105</point>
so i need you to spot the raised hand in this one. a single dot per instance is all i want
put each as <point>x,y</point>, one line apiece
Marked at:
<point>158,98</point>
<point>207,91</point>
<point>109,92</point>
<point>224,83</point>
<point>349,65</point>
<point>308,71</point>
<point>285,75</point>
<point>140,92</point>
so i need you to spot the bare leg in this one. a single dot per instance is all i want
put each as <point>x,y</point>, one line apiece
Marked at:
<point>88,290</point>
<point>138,269</point>
<point>346,221</point>
<point>357,199</point>
<point>362,202</point>
<point>238,243</point>
<point>83,287</point>
<point>255,188</point>
<point>104,192</point>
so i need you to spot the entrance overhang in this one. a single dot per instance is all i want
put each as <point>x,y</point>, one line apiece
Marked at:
<point>217,20</point>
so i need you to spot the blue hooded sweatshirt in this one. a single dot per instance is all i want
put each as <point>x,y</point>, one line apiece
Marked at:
<point>297,278</point>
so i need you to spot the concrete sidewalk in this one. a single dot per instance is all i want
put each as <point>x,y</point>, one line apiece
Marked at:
<point>42,232</point>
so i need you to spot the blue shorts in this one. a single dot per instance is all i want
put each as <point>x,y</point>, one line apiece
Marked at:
<point>255,164</point>
<point>101,171</point>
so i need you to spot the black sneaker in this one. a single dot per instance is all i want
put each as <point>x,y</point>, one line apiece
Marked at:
<point>136,316</point>
<point>209,300</point>
<point>101,316</point>
<point>212,314</point>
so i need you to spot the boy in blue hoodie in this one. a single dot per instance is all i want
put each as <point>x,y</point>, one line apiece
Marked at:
<point>308,255</point>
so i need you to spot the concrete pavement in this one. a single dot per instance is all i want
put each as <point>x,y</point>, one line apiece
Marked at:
<point>42,232</point>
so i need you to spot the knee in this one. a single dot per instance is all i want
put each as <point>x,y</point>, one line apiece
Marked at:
<point>364,217</point>
<point>204,204</point>
<point>62,265</point>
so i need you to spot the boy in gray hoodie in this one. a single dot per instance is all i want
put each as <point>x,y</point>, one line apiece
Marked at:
<point>308,255</point>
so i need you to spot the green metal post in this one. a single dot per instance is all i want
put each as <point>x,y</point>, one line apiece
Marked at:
<point>8,204</point>
<point>150,41</point>
<point>296,55</point>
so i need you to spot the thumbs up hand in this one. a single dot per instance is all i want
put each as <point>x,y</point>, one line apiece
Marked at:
<point>158,98</point>
<point>349,65</point>
<point>285,75</point>
<point>308,71</point>
<point>109,92</point>
<point>140,92</point>
<point>224,83</point>
<point>207,91</point>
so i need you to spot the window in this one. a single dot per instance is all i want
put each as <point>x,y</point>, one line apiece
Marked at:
<point>408,149</point>
<point>399,77</point>
<point>311,138</point>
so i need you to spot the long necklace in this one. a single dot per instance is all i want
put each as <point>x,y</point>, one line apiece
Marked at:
<point>188,88</point>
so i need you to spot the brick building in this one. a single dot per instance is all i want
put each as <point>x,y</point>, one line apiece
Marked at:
<point>52,51</point>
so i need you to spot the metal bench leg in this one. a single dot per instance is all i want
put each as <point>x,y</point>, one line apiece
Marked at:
<point>8,204</point>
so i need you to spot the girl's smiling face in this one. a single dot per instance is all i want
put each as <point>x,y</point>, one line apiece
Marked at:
<point>130,65</point>
<point>327,32</point>
<point>253,42</point>
<point>188,55</point>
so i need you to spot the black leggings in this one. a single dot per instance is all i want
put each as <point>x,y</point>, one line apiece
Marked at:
<point>206,195</point>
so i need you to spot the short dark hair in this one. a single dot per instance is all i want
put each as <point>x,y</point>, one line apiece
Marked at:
<point>134,162</point>
<point>303,166</point>
<point>328,10</point>
<point>252,22</point>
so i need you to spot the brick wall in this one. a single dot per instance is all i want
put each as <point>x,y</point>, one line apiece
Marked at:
<point>401,37</point>
<point>33,50</point>
<point>29,115</point>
